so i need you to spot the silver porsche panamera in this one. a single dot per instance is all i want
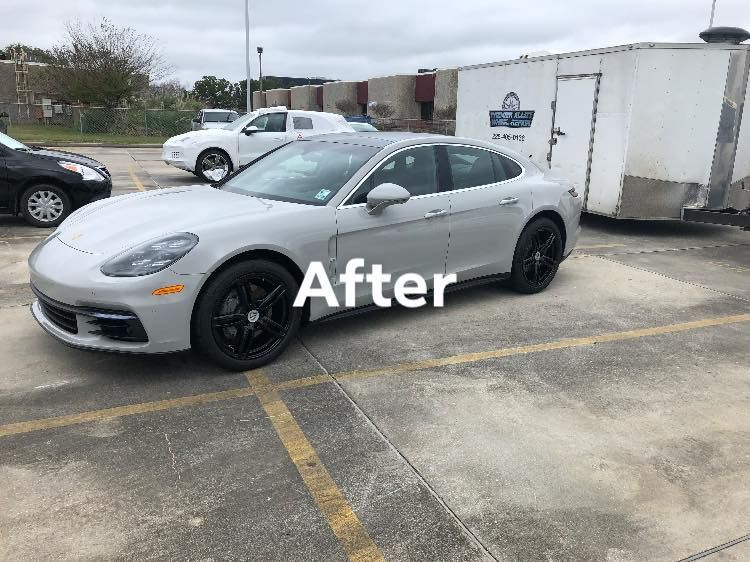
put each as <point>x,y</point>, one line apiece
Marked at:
<point>218,269</point>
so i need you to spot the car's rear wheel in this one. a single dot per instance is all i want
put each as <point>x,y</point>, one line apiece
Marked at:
<point>537,256</point>
<point>244,318</point>
<point>45,205</point>
<point>213,165</point>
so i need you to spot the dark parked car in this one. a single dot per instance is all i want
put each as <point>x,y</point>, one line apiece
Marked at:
<point>45,186</point>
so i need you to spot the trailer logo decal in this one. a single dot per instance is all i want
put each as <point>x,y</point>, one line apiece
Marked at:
<point>511,114</point>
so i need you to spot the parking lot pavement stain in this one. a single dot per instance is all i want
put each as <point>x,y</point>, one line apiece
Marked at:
<point>199,399</point>
<point>354,539</point>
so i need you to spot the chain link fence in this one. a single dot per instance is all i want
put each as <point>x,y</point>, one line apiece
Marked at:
<point>60,120</point>
<point>436,127</point>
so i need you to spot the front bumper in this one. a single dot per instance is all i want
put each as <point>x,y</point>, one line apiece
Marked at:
<point>83,308</point>
<point>179,157</point>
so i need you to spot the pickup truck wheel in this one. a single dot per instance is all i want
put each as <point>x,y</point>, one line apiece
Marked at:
<point>245,318</point>
<point>213,165</point>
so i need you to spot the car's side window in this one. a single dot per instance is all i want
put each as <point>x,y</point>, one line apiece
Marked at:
<point>302,123</point>
<point>470,167</point>
<point>505,168</point>
<point>270,122</point>
<point>413,169</point>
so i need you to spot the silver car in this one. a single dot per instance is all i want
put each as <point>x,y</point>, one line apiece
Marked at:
<point>218,269</point>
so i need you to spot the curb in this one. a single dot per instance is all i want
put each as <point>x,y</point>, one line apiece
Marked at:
<point>89,144</point>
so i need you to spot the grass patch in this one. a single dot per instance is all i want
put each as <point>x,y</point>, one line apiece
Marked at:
<point>40,134</point>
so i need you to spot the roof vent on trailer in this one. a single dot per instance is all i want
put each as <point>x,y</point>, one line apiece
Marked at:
<point>723,34</point>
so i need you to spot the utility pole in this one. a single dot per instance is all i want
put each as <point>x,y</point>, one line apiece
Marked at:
<point>249,98</point>
<point>260,69</point>
<point>713,11</point>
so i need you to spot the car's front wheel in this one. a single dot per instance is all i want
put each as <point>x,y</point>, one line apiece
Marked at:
<point>45,205</point>
<point>213,165</point>
<point>537,256</point>
<point>244,318</point>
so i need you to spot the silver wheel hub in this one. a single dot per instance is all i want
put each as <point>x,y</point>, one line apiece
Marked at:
<point>253,316</point>
<point>538,256</point>
<point>215,167</point>
<point>45,206</point>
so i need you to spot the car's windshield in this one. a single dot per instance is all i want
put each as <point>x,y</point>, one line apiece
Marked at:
<point>309,172</point>
<point>12,143</point>
<point>238,124</point>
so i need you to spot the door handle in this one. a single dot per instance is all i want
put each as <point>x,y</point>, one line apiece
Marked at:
<point>436,213</point>
<point>508,201</point>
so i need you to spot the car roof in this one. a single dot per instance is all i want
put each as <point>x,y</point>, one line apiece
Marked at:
<point>380,139</point>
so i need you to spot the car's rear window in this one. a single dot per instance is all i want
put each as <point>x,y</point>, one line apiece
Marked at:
<point>220,116</point>
<point>309,172</point>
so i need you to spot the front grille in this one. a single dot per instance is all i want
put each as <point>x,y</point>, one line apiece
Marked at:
<point>60,317</point>
<point>121,325</point>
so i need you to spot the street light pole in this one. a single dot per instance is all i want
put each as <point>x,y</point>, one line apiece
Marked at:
<point>260,69</point>
<point>249,95</point>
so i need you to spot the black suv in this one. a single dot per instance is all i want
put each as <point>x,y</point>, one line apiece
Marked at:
<point>46,185</point>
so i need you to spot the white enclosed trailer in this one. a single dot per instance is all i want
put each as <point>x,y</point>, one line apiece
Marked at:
<point>644,130</point>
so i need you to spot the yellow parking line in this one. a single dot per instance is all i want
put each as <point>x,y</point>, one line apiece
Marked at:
<point>136,181</point>
<point>596,246</point>
<point>534,348</point>
<point>120,411</point>
<point>353,537</point>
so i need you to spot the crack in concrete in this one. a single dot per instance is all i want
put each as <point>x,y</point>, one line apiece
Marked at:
<point>473,538</point>
<point>174,459</point>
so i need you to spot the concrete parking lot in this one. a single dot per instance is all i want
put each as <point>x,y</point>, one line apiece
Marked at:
<point>607,418</point>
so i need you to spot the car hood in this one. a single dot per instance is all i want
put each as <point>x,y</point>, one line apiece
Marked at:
<point>60,155</point>
<point>205,135</point>
<point>112,225</point>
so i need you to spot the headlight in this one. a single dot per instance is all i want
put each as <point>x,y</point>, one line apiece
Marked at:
<point>86,172</point>
<point>151,256</point>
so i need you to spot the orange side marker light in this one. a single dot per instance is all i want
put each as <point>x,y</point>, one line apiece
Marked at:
<point>170,290</point>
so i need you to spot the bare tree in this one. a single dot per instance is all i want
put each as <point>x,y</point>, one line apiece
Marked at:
<point>100,63</point>
<point>381,110</point>
<point>347,107</point>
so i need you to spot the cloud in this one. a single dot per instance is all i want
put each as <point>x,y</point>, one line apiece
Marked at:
<point>356,40</point>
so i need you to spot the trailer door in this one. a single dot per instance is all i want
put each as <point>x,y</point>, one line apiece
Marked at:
<point>573,129</point>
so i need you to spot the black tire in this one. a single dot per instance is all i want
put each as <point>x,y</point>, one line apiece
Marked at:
<point>235,323</point>
<point>537,256</point>
<point>209,164</point>
<point>45,205</point>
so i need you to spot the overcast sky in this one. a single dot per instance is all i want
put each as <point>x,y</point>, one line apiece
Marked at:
<point>356,39</point>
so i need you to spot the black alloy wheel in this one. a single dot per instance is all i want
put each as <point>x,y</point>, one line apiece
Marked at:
<point>537,256</point>
<point>245,317</point>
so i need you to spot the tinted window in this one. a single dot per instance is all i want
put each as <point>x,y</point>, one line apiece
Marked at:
<point>271,122</point>
<point>302,172</point>
<point>302,122</point>
<point>412,169</point>
<point>505,168</point>
<point>470,167</point>
<point>220,116</point>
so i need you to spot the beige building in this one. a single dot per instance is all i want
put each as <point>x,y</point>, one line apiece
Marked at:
<point>340,94</point>
<point>446,88</point>
<point>279,96</point>
<point>259,99</point>
<point>308,98</point>
<point>394,95</point>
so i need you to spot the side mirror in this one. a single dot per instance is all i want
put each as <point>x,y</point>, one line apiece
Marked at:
<point>385,195</point>
<point>250,130</point>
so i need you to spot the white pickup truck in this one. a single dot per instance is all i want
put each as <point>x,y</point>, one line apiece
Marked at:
<point>213,154</point>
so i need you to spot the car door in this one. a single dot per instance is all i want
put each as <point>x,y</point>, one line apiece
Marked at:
<point>271,134</point>
<point>489,204</point>
<point>408,238</point>
<point>303,126</point>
